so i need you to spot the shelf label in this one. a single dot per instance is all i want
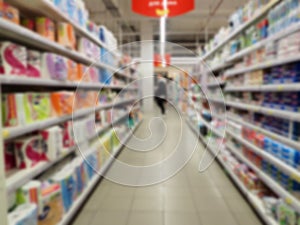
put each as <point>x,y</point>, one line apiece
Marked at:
<point>288,201</point>
<point>296,177</point>
<point>280,88</point>
<point>5,133</point>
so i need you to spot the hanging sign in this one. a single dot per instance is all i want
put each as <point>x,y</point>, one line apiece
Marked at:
<point>160,61</point>
<point>154,8</point>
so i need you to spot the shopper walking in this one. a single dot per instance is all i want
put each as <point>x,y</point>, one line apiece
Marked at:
<point>161,93</point>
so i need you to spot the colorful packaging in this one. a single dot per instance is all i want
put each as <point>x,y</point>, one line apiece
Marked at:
<point>13,59</point>
<point>46,28</point>
<point>1,9</point>
<point>11,13</point>
<point>29,152</point>
<point>62,103</point>
<point>53,142</point>
<point>91,165</point>
<point>66,35</point>
<point>25,214</point>
<point>37,107</point>
<point>33,63</point>
<point>14,110</point>
<point>81,181</point>
<point>29,24</point>
<point>81,71</point>
<point>285,214</point>
<point>30,193</point>
<point>52,206</point>
<point>68,136</point>
<point>72,70</point>
<point>67,182</point>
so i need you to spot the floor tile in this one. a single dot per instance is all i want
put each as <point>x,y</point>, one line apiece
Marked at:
<point>179,204</point>
<point>219,219</point>
<point>247,219</point>
<point>172,218</point>
<point>148,204</point>
<point>109,218</point>
<point>116,204</point>
<point>145,218</point>
<point>86,217</point>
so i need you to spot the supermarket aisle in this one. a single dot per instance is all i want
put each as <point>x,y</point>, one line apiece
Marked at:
<point>187,198</point>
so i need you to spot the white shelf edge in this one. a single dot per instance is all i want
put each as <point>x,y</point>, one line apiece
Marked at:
<point>264,42</point>
<point>263,65</point>
<point>242,27</point>
<point>267,156</point>
<point>264,88</point>
<point>27,81</point>
<point>12,132</point>
<point>295,116</point>
<point>81,199</point>
<point>277,137</point>
<point>273,185</point>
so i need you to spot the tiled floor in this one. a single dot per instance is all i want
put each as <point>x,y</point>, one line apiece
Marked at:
<point>189,197</point>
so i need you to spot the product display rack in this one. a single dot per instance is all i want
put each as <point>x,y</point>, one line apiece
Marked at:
<point>242,28</point>
<point>229,71</point>
<point>28,37</point>
<point>10,182</point>
<point>77,205</point>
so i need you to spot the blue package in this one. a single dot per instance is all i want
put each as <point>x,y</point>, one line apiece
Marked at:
<point>276,148</point>
<point>267,144</point>
<point>67,184</point>
<point>91,165</point>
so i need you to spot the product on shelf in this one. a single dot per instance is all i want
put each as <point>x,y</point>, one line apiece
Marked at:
<point>13,59</point>
<point>46,28</point>
<point>66,35</point>
<point>9,12</point>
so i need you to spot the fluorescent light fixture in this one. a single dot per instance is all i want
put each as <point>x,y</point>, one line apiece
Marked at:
<point>163,21</point>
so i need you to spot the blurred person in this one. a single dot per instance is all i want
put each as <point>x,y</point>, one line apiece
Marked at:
<point>161,93</point>
<point>170,90</point>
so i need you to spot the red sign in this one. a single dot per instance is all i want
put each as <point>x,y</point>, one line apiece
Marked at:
<point>162,61</point>
<point>154,8</point>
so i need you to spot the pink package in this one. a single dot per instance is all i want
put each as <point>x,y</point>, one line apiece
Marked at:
<point>33,63</point>
<point>68,137</point>
<point>13,59</point>
<point>93,73</point>
<point>29,152</point>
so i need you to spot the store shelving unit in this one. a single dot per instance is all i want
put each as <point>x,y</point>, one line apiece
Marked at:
<point>79,202</point>
<point>10,84</point>
<point>229,69</point>
<point>242,28</point>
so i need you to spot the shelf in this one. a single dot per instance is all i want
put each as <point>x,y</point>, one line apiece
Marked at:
<point>264,65</point>
<point>295,116</point>
<point>13,132</point>
<point>266,179</point>
<point>47,8</point>
<point>82,198</point>
<point>23,176</point>
<point>292,172</point>
<point>27,37</point>
<point>263,43</point>
<point>219,101</point>
<point>220,66</point>
<point>243,27</point>
<point>264,88</point>
<point>18,81</point>
<point>252,198</point>
<point>274,136</point>
<point>215,84</point>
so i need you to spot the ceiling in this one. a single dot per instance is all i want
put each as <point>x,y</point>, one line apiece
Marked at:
<point>189,30</point>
